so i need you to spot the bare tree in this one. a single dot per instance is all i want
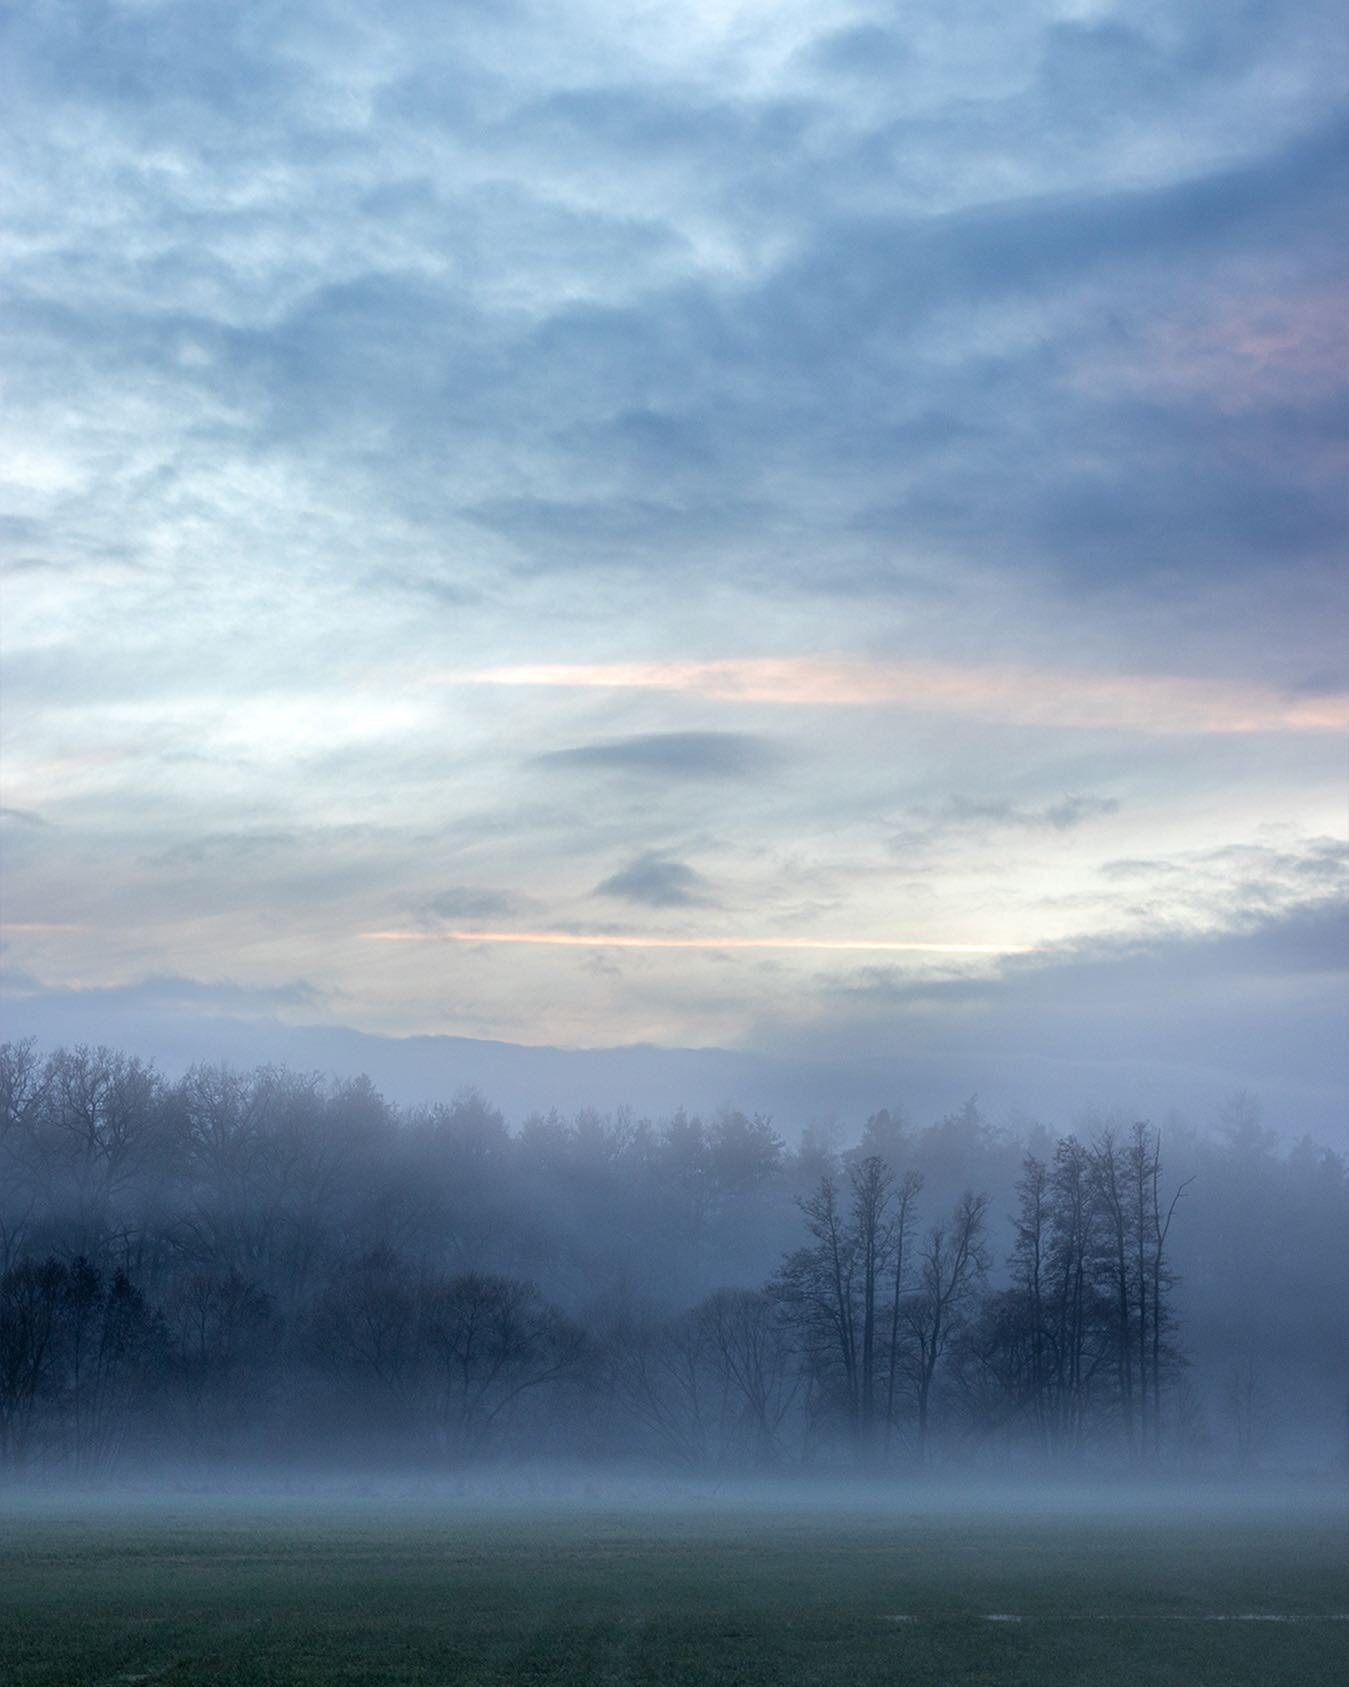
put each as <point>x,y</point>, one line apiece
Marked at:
<point>901,1229</point>
<point>1110,1181</point>
<point>817,1287</point>
<point>25,1088</point>
<point>224,1334</point>
<point>113,1349</point>
<point>485,1342</point>
<point>747,1344</point>
<point>30,1328</point>
<point>1079,1350</point>
<point>952,1266</point>
<point>1247,1413</point>
<point>363,1331</point>
<point>659,1376</point>
<point>872,1187</point>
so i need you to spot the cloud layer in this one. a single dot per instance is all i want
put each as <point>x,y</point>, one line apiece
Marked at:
<point>767,473</point>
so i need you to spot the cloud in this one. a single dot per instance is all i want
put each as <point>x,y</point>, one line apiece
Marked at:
<point>1173,1020</point>
<point>864,50</point>
<point>1147,703</point>
<point>717,943</point>
<point>1236,887</point>
<point>674,755</point>
<point>475,902</point>
<point>1067,812</point>
<point>995,352</point>
<point>1177,1023</point>
<point>246,847</point>
<point>991,814</point>
<point>656,881</point>
<point>1309,939</point>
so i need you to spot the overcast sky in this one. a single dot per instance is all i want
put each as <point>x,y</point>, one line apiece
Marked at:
<point>853,492</point>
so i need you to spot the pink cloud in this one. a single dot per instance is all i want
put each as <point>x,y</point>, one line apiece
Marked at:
<point>1239,354</point>
<point>1147,703</point>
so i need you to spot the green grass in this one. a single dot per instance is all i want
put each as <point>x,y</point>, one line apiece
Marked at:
<point>198,1593</point>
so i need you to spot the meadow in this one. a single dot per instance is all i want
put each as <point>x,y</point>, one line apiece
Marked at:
<point>464,1591</point>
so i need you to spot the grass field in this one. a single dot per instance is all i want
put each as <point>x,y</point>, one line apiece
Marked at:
<point>191,1591</point>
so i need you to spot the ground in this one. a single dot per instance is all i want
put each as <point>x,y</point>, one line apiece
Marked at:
<point>456,1591</point>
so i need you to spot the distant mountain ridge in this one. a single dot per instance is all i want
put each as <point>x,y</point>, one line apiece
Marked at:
<point>922,1081</point>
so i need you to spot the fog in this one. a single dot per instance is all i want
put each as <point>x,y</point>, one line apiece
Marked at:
<point>265,1285</point>
<point>258,1496</point>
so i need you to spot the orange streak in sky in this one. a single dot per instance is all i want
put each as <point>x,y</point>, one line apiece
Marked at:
<point>572,939</point>
<point>1150,703</point>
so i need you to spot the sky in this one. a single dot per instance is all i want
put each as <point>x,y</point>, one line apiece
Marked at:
<point>815,530</point>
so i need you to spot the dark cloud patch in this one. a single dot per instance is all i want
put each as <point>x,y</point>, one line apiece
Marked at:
<point>442,590</point>
<point>1196,506</point>
<point>620,532</point>
<point>660,407</point>
<point>884,270</point>
<point>687,422</point>
<point>162,64</point>
<point>674,755</point>
<point>1323,681</point>
<point>1242,885</point>
<point>676,121</point>
<point>1158,1024</point>
<point>895,985</point>
<point>1313,938</point>
<point>1068,812</point>
<point>475,902</point>
<point>1059,816</point>
<point>21,817</point>
<point>1104,65</point>
<point>656,881</point>
<point>981,815</point>
<point>1310,939</point>
<point>214,847</point>
<point>378,343</point>
<point>865,50</point>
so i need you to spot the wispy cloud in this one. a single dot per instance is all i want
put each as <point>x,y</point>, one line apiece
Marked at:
<point>1147,703</point>
<point>977,816</point>
<point>674,755</point>
<point>632,940</point>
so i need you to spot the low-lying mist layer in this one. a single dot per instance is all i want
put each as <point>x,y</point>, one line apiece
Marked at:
<point>266,1271</point>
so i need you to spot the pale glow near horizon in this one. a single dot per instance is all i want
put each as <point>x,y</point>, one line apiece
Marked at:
<point>1148,703</point>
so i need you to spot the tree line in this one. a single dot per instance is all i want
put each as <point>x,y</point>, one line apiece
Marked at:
<point>270,1266</point>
